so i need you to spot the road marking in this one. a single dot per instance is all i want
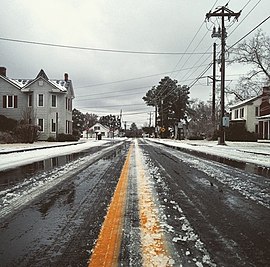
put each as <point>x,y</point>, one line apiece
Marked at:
<point>154,248</point>
<point>107,248</point>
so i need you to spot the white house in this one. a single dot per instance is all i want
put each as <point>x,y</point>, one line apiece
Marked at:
<point>254,113</point>
<point>99,129</point>
<point>48,101</point>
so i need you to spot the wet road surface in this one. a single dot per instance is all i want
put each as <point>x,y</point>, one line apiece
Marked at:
<point>143,204</point>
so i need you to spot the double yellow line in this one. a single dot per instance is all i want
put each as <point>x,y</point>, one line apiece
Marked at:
<point>153,244</point>
<point>107,248</point>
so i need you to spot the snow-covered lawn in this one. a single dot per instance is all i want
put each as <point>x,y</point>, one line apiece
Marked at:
<point>19,157</point>
<point>251,152</point>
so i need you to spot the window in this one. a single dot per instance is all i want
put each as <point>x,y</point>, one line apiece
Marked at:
<point>241,112</point>
<point>236,114</point>
<point>10,101</point>
<point>68,104</point>
<point>41,124</point>
<point>40,100</point>
<point>257,111</point>
<point>54,101</point>
<point>68,127</point>
<point>30,100</point>
<point>53,130</point>
<point>97,128</point>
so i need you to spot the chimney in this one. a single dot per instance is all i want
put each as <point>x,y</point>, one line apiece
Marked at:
<point>266,90</point>
<point>66,77</point>
<point>3,71</point>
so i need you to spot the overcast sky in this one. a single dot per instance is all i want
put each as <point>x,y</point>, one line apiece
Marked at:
<point>106,82</point>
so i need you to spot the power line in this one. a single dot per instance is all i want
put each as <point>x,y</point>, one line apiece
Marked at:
<point>246,15</point>
<point>165,85</point>
<point>249,33</point>
<point>136,78</point>
<point>112,92</point>
<point>95,98</point>
<point>113,106</point>
<point>97,49</point>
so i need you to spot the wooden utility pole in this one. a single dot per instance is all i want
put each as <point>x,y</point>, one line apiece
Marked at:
<point>214,86</point>
<point>222,12</point>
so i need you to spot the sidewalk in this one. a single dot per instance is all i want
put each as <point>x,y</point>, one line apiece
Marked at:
<point>250,156</point>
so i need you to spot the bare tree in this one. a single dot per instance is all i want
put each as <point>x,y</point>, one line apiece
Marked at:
<point>255,53</point>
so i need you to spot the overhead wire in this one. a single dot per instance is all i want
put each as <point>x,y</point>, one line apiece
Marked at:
<point>165,85</point>
<point>130,79</point>
<point>95,49</point>
<point>238,24</point>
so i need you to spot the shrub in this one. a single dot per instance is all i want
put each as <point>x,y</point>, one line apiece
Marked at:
<point>26,133</point>
<point>238,132</point>
<point>66,137</point>
<point>196,137</point>
<point>7,138</point>
<point>51,139</point>
<point>7,124</point>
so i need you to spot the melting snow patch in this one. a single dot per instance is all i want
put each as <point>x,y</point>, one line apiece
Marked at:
<point>187,233</point>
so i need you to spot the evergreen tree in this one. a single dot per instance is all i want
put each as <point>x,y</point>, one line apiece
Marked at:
<point>171,101</point>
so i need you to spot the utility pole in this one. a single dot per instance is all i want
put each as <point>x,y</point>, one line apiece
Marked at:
<point>214,86</point>
<point>222,12</point>
<point>150,119</point>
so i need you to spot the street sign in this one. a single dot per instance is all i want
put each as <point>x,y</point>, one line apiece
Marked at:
<point>226,122</point>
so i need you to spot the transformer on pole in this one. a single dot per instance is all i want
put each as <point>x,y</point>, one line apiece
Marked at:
<point>222,12</point>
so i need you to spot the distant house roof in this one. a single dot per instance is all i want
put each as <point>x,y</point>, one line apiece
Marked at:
<point>245,102</point>
<point>264,117</point>
<point>100,125</point>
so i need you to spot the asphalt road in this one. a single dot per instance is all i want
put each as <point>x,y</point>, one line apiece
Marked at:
<point>144,204</point>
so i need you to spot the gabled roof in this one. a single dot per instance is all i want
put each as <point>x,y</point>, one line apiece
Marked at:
<point>11,81</point>
<point>101,125</point>
<point>245,102</point>
<point>43,75</point>
<point>23,84</point>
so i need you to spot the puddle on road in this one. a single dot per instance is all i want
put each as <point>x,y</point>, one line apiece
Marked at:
<point>12,177</point>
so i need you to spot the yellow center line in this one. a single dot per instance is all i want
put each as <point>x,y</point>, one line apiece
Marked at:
<point>107,248</point>
<point>154,248</point>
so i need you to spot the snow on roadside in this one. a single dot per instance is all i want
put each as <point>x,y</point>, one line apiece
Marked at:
<point>251,152</point>
<point>250,186</point>
<point>23,193</point>
<point>13,160</point>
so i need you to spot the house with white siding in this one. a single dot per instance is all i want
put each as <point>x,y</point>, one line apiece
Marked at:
<point>45,102</point>
<point>99,129</point>
<point>254,113</point>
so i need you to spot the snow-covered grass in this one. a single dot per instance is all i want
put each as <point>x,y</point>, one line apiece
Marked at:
<point>23,193</point>
<point>49,150</point>
<point>250,152</point>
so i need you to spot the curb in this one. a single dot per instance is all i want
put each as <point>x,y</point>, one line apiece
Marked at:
<point>246,166</point>
<point>36,148</point>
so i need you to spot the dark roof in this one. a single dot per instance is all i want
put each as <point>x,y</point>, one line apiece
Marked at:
<point>42,74</point>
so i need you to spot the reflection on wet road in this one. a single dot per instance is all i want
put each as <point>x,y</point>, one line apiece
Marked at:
<point>41,233</point>
<point>143,205</point>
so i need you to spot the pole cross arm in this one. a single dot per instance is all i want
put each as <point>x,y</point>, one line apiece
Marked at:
<point>223,12</point>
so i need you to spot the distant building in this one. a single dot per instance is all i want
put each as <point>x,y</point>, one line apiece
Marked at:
<point>254,113</point>
<point>43,101</point>
<point>97,129</point>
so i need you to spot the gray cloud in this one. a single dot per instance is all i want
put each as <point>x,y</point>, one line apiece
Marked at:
<point>152,25</point>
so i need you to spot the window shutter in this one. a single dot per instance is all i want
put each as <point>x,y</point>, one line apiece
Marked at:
<point>4,101</point>
<point>15,101</point>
